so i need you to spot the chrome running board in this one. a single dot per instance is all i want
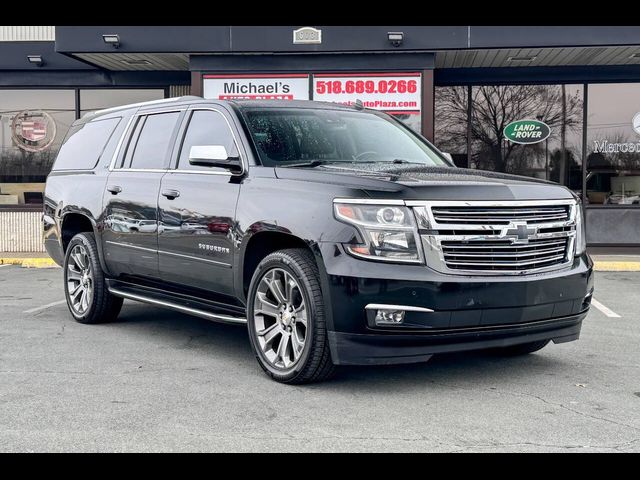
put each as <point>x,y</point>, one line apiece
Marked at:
<point>216,317</point>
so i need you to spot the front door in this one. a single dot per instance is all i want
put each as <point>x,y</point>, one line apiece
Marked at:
<point>130,235</point>
<point>197,210</point>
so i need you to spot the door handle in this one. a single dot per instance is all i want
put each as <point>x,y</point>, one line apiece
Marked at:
<point>171,194</point>
<point>114,189</point>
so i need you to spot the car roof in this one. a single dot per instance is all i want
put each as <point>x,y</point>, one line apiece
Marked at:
<point>246,103</point>
<point>164,101</point>
<point>237,103</point>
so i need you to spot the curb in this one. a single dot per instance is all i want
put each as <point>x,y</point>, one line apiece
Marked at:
<point>612,266</point>
<point>29,262</point>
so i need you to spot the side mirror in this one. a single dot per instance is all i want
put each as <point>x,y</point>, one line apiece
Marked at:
<point>448,156</point>
<point>212,156</point>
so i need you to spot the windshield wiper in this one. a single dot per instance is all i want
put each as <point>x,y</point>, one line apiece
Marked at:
<point>312,163</point>
<point>405,162</point>
<point>317,163</point>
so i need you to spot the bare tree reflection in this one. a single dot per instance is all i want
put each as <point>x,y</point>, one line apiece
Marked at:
<point>493,108</point>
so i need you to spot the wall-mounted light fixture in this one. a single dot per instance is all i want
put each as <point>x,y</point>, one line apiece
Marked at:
<point>112,39</point>
<point>35,60</point>
<point>395,38</point>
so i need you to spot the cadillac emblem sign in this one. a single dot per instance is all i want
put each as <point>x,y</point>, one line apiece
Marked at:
<point>33,130</point>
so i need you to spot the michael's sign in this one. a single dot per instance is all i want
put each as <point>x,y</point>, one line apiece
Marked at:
<point>256,87</point>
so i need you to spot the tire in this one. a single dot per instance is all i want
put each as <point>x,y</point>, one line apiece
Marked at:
<point>82,271</point>
<point>303,323</point>
<point>521,349</point>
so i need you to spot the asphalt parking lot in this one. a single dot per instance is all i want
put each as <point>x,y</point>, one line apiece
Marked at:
<point>161,381</point>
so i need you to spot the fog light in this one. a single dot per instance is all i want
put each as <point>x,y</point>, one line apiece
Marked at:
<point>389,317</point>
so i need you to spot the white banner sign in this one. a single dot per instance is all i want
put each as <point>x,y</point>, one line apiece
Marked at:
<point>257,87</point>
<point>393,93</point>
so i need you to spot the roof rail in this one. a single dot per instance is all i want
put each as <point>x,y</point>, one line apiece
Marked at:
<point>140,104</point>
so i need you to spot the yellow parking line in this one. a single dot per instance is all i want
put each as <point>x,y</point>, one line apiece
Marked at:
<point>29,262</point>
<point>616,266</point>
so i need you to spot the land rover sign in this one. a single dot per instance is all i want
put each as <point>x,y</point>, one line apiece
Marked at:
<point>527,131</point>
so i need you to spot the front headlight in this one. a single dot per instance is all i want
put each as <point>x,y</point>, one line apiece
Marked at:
<point>389,232</point>
<point>581,235</point>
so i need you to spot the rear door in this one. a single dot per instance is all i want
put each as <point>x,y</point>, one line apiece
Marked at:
<point>130,237</point>
<point>197,208</point>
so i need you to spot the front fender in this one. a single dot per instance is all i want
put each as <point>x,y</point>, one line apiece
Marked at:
<point>299,210</point>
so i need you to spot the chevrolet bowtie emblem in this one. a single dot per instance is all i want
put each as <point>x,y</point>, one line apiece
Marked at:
<point>519,232</point>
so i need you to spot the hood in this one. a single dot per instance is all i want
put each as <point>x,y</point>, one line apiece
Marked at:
<point>417,182</point>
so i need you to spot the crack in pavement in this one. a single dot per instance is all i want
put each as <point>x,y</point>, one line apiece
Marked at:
<point>564,407</point>
<point>617,447</point>
<point>530,395</point>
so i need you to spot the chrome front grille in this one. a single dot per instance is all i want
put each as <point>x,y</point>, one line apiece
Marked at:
<point>502,255</point>
<point>494,238</point>
<point>500,215</point>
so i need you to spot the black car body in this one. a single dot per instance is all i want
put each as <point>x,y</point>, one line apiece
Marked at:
<point>499,260</point>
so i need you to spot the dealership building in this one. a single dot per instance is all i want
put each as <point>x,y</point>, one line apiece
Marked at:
<point>560,103</point>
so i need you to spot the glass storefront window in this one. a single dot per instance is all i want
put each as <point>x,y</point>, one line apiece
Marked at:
<point>557,158</point>
<point>33,124</point>
<point>411,120</point>
<point>613,144</point>
<point>96,99</point>
<point>451,117</point>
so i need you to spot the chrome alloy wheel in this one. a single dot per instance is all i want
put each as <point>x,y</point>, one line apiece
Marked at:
<point>280,318</point>
<point>79,280</point>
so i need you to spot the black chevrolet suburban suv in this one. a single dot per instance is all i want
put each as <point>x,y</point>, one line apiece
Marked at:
<point>337,234</point>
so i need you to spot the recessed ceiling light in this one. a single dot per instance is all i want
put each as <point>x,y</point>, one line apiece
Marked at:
<point>529,58</point>
<point>136,62</point>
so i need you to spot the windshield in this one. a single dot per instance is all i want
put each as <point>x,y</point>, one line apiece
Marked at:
<point>299,137</point>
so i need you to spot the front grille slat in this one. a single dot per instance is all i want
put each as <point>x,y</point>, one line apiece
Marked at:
<point>488,245</point>
<point>449,254</point>
<point>520,211</point>
<point>498,215</point>
<point>505,221</point>
<point>507,264</point>
<point>508,238</point>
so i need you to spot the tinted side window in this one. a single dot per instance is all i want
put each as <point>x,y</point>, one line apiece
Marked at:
<point>152,145</point>
<point>84,145</point>
<point>133,138</point>
<point>206,127</point>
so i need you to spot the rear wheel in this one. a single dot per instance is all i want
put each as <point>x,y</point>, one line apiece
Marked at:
<point>286,318</point>
<point>521,349</point>
<point>85,289</point>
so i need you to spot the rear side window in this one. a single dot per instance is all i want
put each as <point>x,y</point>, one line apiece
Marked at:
<point>150,143</point>
<point>84,144</point>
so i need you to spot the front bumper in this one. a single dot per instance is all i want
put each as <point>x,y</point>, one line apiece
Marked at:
<point>469,312</point>
<point>387,349</point>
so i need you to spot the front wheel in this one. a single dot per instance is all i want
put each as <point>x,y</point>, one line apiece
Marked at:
<point>286,318</point>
